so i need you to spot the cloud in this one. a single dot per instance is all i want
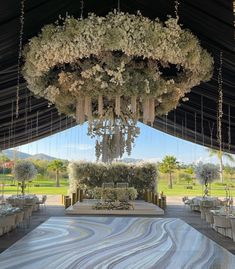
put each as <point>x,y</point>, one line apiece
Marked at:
<point>81,147</point>
<point>154,160</point>
<point>204,159</point>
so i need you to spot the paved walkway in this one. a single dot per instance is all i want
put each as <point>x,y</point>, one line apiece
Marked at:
<point>175,209</point>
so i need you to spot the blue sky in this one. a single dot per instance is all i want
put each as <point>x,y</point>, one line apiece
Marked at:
<point>151,145</point>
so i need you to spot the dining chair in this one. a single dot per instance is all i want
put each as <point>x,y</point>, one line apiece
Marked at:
<point>209,218</point>
<point>223,223</point>
<point>43,201</point>
<point>27,215</point>
<point>1,225</point>
<point>232,221</point>
<point>19,219</point>
<point>9,223</point>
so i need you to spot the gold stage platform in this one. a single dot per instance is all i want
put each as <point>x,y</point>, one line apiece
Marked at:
<point>141,208</point>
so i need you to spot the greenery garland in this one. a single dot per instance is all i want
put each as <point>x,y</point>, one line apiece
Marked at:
<point>85,66</point>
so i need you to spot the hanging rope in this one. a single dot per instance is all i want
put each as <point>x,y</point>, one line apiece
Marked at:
<point>234,16</point>
<point>202,120</point>
<point>81,8</point>
<point>177,3</point>
<point>174,123</point>
<point>195,127</point>
<point>220,102</point>
<point>183,129</point>
<point>118,7</point>
<point>211,131</point>
<point>229,129</point>
<point>166,119</point>
<point>37,124</point>
<point>19,56</point>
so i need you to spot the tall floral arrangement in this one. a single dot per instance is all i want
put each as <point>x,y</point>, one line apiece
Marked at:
<point>23,172</point>
<point>206,173</point>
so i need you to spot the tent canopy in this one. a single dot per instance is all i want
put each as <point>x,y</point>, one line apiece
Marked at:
<point>196,120</point>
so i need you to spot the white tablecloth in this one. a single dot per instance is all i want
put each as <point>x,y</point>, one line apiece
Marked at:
<point>197,200</point>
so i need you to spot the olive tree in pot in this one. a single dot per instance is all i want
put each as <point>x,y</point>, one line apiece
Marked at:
<point>24,171</point>
<point>206,173</point>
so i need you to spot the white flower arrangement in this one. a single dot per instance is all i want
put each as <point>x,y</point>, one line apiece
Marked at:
<point>24,170</point>
<point>113,138</point>
<point>83,65</point>
<point>115,193</point>
<point>206,173</point>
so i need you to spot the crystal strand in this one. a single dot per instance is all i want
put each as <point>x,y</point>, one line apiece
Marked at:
<point>220,102</point>
<point>211,132</point>
<point>118,6</point>
<point>82,7</point>
<point>37,125</point>
<point>174,123</point>
<point>202,121</point>
<point>177,9</point>
<point>229,126</point>
<point>19,56</point>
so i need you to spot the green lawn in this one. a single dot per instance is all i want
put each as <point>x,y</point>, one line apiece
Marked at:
<point>179,188</point>
<point>47,186</point>
<point>44,186</point>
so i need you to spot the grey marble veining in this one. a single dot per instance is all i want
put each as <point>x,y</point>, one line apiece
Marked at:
<point>115,242</point>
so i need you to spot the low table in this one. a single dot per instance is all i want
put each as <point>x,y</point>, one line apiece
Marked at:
<point>141,208</point>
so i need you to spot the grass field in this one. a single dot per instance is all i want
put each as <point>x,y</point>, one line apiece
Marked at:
<point>37,186</point>
<point>47,186</point>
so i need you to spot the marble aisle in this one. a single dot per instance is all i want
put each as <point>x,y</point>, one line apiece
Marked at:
<point>115,242</point>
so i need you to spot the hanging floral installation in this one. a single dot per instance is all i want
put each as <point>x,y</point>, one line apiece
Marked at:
<point>114,138</point>
<point>120,66</point>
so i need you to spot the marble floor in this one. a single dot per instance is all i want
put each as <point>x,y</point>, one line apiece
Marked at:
<point>115,242</point>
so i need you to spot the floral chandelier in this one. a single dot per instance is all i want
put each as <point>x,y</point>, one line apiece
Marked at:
<point>120,66</point>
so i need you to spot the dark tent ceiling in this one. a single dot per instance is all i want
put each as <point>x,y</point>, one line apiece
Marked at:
<point>195,120</point>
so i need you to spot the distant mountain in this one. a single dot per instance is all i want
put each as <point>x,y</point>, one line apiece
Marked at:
<point>22,156</point>
<point>19,155</point>
<point>131,160</point>
<point>41,156</point>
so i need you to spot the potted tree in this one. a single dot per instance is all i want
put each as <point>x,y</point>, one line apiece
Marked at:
<point>24,171</point>
<point>206,173</point>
